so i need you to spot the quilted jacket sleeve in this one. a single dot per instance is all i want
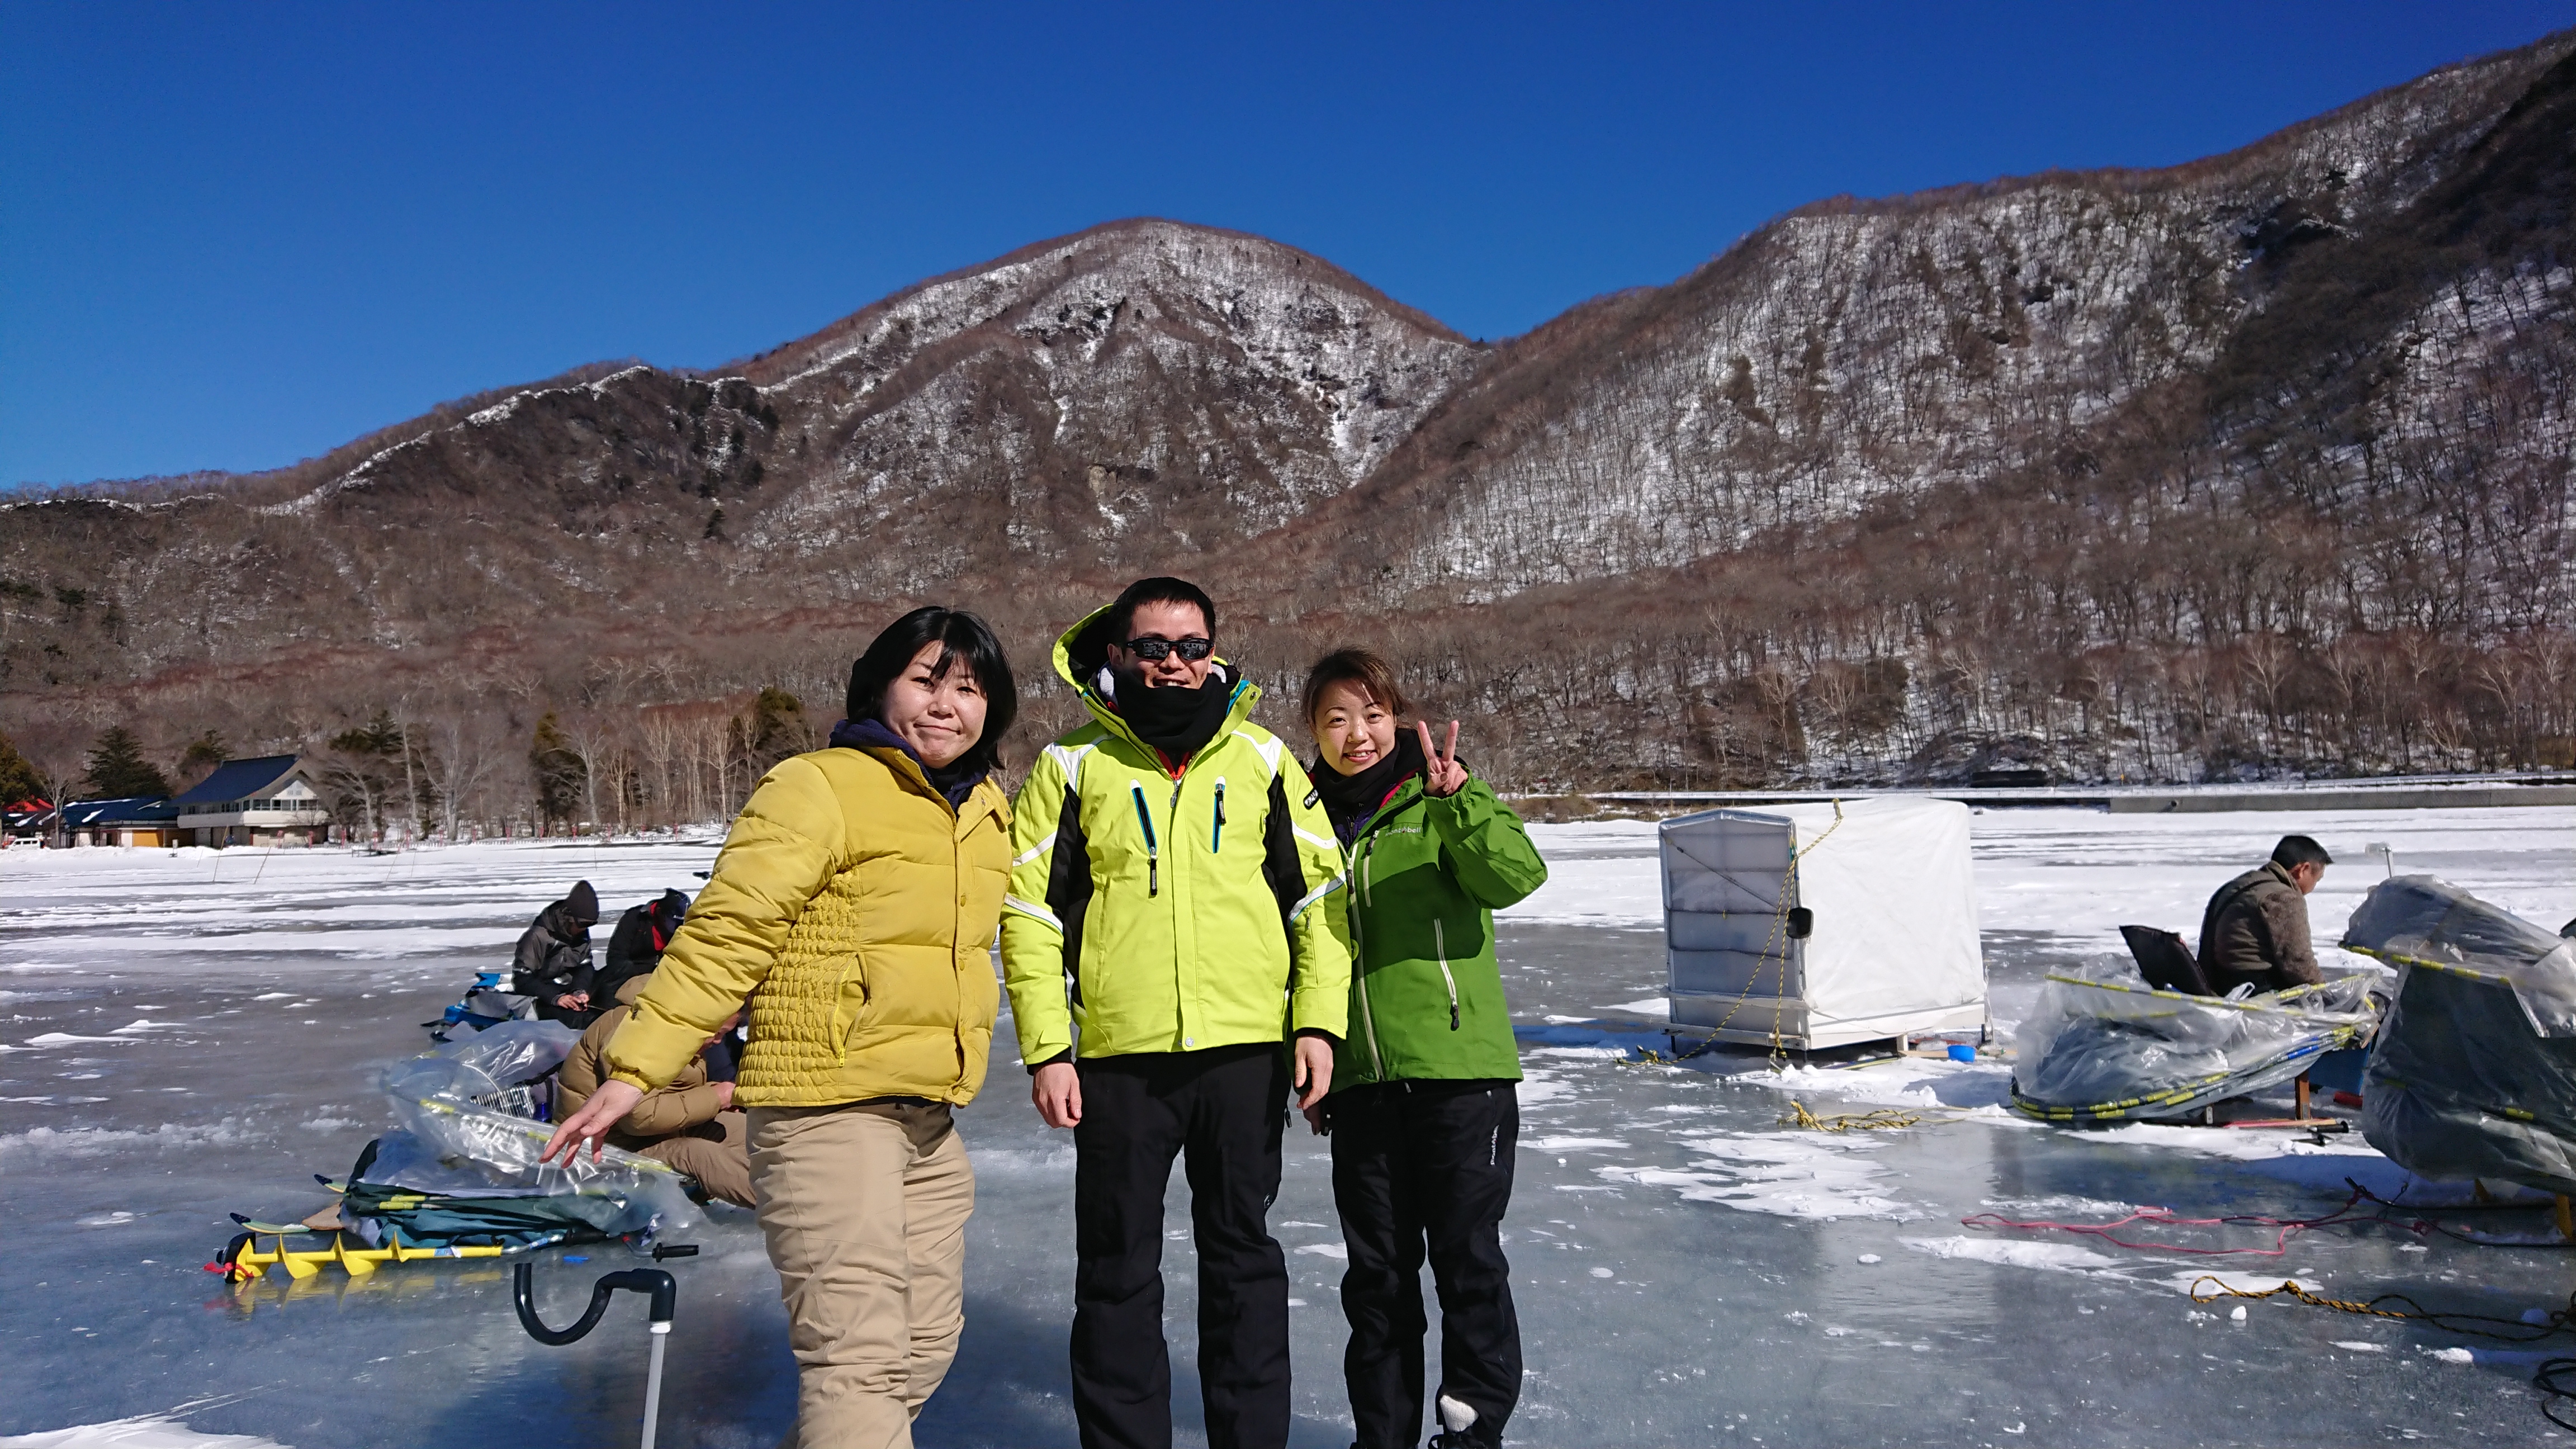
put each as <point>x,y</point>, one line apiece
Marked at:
<point>780,854</point>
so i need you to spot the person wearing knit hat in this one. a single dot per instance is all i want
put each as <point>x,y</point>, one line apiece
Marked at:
<point>552,963</point>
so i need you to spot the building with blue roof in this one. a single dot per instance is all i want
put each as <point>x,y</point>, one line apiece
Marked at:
<point>266,801</point>
<point>128,820</point>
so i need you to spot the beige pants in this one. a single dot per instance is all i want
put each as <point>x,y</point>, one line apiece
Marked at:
<point>714,1152</point>
<point>865,1209</point>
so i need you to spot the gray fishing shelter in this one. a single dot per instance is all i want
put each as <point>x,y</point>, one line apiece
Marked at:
<point>1819,925</point>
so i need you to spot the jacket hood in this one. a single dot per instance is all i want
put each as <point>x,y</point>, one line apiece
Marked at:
<point>1082,651</point>
<point>563,924</point>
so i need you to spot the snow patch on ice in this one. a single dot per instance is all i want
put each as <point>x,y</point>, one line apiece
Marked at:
<point>1334,1251</point>
<point>93,1141</point>
<point>2058,1257</point>
<point>1804,1175</point>
<point>2241,1282</point>
<point>1539,1085</point>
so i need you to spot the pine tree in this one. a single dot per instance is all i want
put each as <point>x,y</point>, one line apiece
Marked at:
<point>204,753</point>
<point>559,770</point>
<point>18,779</point>
<point>776,729</point>
<point>117,768</point>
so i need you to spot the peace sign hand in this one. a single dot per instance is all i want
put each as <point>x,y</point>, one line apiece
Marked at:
<point>1442,775</point>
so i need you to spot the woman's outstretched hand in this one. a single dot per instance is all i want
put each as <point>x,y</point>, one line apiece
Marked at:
<point>1442,775</point>
<point>591,1125</point>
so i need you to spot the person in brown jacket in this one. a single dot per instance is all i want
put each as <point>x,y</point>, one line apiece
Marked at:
<point>691,1123</point>
<point>2256,927</point>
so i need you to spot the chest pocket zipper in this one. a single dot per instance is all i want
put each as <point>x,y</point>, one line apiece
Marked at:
<point>1153,856</point>
<point>1440,944</point>
<point>1359,969</point>
<point>1216,837</point>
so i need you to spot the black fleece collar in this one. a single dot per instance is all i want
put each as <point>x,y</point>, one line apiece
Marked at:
<point>1351,800</point>
<point>1179,722</point>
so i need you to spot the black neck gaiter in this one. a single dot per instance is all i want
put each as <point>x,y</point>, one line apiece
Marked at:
<point>1178,722</point>
<point>1349,800</point>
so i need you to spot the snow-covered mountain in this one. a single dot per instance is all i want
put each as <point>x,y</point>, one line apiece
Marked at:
<point>2202,459</point>
<point>1853,351</point>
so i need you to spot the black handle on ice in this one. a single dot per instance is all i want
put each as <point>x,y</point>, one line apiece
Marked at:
<point>666,1295</point>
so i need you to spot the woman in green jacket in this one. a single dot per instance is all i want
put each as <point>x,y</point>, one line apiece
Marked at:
<point>1423,1114</point>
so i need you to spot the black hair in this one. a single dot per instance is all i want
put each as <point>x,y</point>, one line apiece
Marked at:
<point>962,637</point>
<point>2298,850</point>
<point>1122,614</point>
<point>1364,667</point>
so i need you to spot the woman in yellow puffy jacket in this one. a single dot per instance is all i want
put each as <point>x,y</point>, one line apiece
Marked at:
<point>853,906</point>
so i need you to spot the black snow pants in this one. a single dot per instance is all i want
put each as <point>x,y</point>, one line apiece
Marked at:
<point>1425,1168</point>
<point>1223,1108</point>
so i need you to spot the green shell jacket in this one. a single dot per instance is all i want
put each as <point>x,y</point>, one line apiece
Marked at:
<point>1163,911</point>
<point>1426,876</point>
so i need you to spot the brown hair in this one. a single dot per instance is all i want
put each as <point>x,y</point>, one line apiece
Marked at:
<point>1364,667</point>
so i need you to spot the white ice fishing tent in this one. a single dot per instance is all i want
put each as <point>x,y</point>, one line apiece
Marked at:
<point>1819,925</point>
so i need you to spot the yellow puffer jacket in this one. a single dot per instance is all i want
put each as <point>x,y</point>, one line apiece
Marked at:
<point>854,909</point>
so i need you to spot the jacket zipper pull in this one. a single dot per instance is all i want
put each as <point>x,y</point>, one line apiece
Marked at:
<point>1216,838</point>
<point>1153,856</point>
<point>1440,943</point>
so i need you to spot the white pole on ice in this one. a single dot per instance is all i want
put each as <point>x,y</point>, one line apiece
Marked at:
<point>653,1382</point>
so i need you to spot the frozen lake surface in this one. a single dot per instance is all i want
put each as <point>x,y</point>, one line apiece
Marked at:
<point>185,1035</point>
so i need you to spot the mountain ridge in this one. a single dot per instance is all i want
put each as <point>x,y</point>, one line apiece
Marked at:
<point>1772,472</point>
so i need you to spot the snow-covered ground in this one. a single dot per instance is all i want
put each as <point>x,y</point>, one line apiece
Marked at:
<point>184,1035</point>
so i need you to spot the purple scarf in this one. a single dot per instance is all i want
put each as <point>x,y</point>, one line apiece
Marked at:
<point>957,781</point>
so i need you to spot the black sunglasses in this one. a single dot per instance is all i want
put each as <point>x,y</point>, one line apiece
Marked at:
<point>1192,649</point>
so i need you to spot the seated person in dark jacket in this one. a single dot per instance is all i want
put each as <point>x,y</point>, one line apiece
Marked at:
<point>553,960</point>
<point>635,947</point>
<point>2256,927</point>
<point>691,1124</point>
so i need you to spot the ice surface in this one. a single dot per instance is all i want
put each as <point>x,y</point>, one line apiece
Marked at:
<point>1689,1269</point>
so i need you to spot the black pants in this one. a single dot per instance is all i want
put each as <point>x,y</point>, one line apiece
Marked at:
<point>1223,1107</point>
<point>1426,1168</point>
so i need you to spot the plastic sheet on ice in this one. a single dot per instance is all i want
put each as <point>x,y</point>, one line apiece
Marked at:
<point>2100,1049</point>
<point>2474,1075</point>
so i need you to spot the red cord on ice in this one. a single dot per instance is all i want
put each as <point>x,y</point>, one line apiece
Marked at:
<point>2164,1217</point>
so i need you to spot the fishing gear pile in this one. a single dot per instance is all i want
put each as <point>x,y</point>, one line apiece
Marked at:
<point>2474,1072</point>
<point>461,1176</point>
<point>2097,1049</point>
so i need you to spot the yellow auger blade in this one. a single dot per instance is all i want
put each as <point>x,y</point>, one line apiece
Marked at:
<point>356,1261</point>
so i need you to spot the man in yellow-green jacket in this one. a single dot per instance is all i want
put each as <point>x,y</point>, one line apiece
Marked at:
<point>1177,955</point>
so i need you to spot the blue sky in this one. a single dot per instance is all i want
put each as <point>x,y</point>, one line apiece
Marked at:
<point>234,236</point>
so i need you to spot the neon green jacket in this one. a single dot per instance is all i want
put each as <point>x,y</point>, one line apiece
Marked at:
<point>1164,912</point>
<point>1427,875</point>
